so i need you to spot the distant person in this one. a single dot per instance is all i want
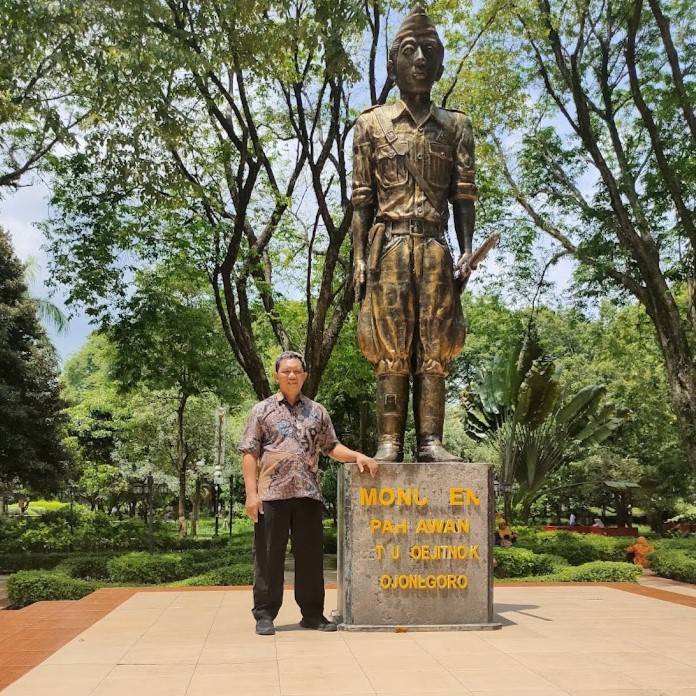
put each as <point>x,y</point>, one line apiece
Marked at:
<point>572,520</point>
<point>640,550</point>
<point>598,523</point>
<point>281,444</point>
<point>505,535</point>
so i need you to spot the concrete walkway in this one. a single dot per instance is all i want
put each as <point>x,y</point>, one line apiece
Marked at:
<point>556,640</point>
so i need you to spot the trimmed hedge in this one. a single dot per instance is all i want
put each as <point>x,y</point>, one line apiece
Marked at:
<point>240,574</point>
<point>92,567</point>
<point>676,564</point>
<point>330,540</point>
<point>29,586</point>
<point>147,569</point>
<point>577,548</point>
<point>13,562</point>
<point>603,571</point>
<point>596,571</point>
<point>518,563</point>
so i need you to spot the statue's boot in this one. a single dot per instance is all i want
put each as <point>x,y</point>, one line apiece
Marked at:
<point>392,403</point>
<point>429,413</point>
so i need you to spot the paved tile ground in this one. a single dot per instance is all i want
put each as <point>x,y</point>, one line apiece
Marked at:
<point>556,640</point>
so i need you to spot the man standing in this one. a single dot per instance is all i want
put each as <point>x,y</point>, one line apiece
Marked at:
<point>281,444</point>
<point>410,158</point>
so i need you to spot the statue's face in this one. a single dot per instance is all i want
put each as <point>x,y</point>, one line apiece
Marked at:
<point>418,63</point>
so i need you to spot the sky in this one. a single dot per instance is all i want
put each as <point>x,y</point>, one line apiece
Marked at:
<point>19,213</point>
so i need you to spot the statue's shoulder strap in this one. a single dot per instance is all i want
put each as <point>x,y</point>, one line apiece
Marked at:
<point>401,150</point>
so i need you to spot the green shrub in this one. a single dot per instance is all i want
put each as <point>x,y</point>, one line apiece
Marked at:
<point>147,569</point>
<point>675,564</point>
<point>577,548</point>
<point>92,567</point>
<point>517,563</point>
<point>29,586</point>
<point>596,571</point>
<point>240,574</point>
<point>330,539</point>
<point>13,562</point>
<point>602,571</point>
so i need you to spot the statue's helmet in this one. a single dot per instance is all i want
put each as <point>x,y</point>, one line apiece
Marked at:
<point>417,23</point>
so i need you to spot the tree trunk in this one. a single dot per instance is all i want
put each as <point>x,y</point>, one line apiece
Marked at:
<point>679,363</point>
<point>181,463</point>
<point>196,507</point>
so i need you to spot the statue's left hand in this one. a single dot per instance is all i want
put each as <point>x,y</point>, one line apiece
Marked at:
<point>359,279</point>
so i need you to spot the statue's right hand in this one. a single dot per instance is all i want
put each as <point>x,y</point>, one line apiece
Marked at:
<point>359,278</point>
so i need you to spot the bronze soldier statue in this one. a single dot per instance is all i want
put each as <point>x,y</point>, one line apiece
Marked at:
<point>410,159</point>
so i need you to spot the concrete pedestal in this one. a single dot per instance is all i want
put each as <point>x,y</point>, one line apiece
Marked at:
<point>416,548</point>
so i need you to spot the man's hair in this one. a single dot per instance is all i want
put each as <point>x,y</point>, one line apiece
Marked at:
<point>290,355</point>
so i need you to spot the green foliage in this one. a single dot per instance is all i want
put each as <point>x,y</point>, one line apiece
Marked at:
<point>91,567</point>
<point>30,404</point>
<point>596,571</point>
<point>517,403</point>
<point>674,563</point>
<point>13,562</point>
<point>42,42</point>
<point>330,539</point>
<point>147,569</point>
<point>606,107</point>
<point>519,562</point>
<point>577,548</point>
<point>602,571</point>
<point>238,574</point>
<point>29,586</point>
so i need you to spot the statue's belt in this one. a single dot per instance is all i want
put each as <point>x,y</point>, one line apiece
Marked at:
<point>415,228</point>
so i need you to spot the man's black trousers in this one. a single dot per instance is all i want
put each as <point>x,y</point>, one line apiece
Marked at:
<point>303,518</point>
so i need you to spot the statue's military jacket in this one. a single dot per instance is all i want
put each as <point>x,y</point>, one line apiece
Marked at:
<point>410,319</point>
<point>442,148</point>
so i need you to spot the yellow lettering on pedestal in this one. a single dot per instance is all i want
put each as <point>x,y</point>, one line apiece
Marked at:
<point>460,552</point>
<point>457,496</point>
<point>368,497</point>
<point>379,550</point>
<point>420,582</point>
<point>440,526</point>
<point>388,497</point>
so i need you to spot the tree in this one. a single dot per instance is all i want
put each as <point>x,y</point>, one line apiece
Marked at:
<point>169,340</point>
<point>598,149</point>
<point>30,404</point>
<point>41,43</point>
<point>229,149</point>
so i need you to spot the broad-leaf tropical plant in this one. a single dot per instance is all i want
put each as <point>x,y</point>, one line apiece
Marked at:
<point>517,404</point>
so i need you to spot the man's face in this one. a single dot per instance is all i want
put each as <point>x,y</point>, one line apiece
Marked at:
<point>290,376</point>
<point>418,63</point>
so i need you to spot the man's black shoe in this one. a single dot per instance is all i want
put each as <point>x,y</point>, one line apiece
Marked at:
<point>318,624</point>
<point>265,627</point>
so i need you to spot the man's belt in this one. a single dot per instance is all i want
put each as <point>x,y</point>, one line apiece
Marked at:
<point>416,228</point>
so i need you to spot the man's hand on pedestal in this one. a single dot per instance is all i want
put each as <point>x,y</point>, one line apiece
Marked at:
<point>364,462</point>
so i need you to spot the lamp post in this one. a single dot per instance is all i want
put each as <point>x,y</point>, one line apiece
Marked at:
<point>507,488</point>
<point>145,489</point>
<point>231,502</point>
<point>217,481</point>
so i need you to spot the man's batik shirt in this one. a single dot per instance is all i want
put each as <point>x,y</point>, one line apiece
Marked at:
<point>286,441</point>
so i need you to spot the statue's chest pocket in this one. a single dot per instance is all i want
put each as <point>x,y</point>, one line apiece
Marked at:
<point>439,164</point>
<point>390,167</point>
